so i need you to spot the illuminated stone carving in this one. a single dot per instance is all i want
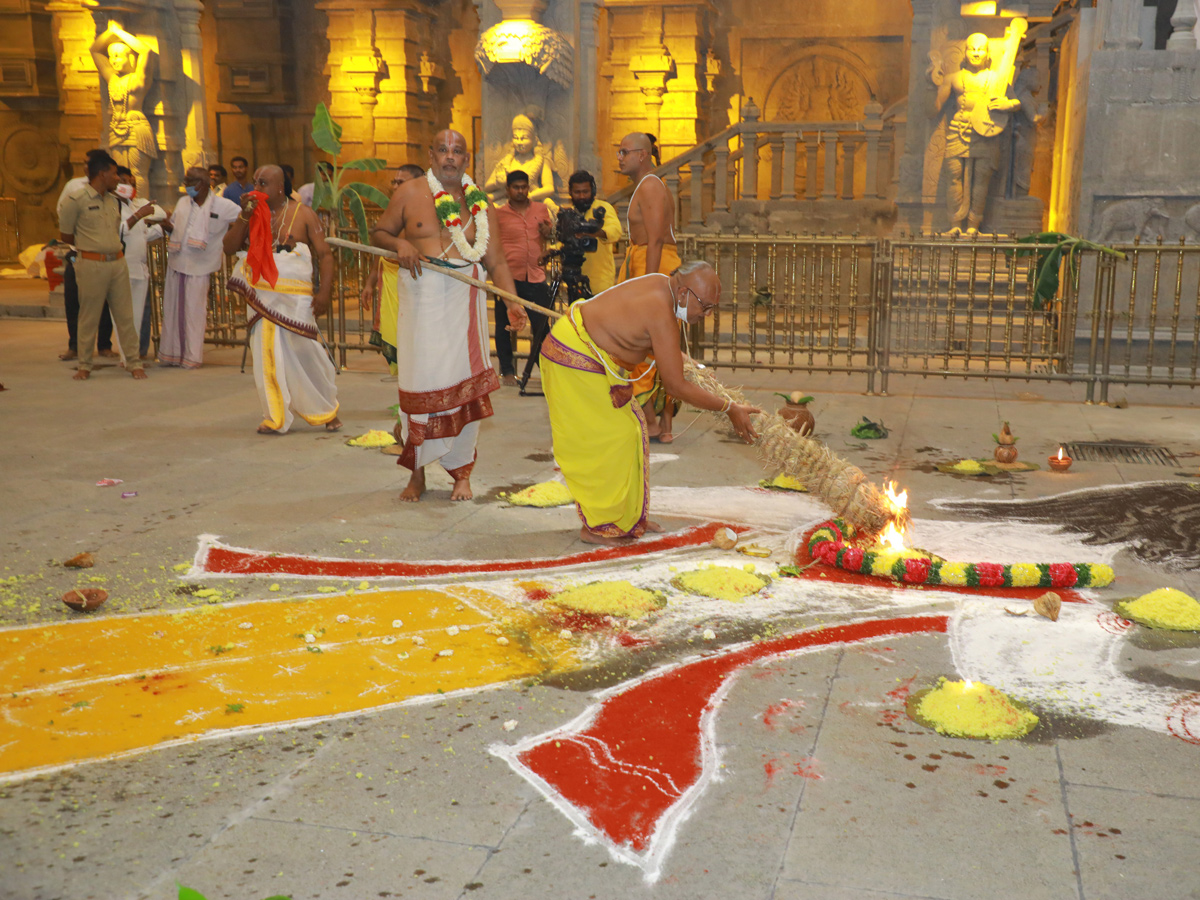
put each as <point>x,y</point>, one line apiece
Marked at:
<point>525,41</point>
<point>529,155</point>
<point>122,60</point>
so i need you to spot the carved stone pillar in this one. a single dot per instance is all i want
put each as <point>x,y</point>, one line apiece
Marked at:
<point>910,191</point>
<point>1183,20</point>
<point>79,93</point>
<point>652,66</point>
<point>1121,25</point>
<point>196,149</point>
<point>588,74</point>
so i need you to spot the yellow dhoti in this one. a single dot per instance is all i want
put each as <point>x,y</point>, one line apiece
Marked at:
<point>384,325</point>
<point>600,440</point>
<point>646,380</point>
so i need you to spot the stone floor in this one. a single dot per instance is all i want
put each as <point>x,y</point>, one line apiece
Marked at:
<point>816,785</point>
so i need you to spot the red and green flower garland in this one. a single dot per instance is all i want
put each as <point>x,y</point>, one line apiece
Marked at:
<point>449,213</point>
<point>831,544</point>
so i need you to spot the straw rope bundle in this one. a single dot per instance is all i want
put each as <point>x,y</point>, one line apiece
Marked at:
<point>841,485</point>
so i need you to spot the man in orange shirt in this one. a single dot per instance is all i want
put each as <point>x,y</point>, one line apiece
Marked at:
<point>524,227</point>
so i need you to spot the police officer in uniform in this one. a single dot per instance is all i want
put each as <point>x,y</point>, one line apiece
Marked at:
<point>91,222</point>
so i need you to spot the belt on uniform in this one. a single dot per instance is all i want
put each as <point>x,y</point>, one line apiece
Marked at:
<point>101,257</point>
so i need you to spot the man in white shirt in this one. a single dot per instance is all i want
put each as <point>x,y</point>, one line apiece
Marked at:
<point>71,289</point>
<point>141,222</point>
<point>199,223</point>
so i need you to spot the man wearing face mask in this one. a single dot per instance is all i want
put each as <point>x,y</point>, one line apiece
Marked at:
<point>141,222</point>
<point>199,223</point>
<point>600,437</point>
<point>604,230</point>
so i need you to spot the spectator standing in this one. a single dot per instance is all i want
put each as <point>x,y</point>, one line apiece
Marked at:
<point>91,222</point>
<point>71,288</point>
<point>141,222</point>
<point>218,178</point>
<point>381,284</point>
<point>240,168</point>
<point>199,223</point>
<point>524,227</point>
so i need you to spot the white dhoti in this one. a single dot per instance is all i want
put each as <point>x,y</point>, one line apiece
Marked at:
<point>445,372</point>
<point>185,316</point>
<point>292,371</point>
<point>137,289</point>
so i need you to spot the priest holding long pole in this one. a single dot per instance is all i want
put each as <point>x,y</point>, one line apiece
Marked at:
<point>433,224</point>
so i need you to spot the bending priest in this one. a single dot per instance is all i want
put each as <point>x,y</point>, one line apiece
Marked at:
<point>600,438</point>
<point>274,273</point>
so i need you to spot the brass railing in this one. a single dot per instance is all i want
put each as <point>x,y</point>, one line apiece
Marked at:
<point>929,306</point>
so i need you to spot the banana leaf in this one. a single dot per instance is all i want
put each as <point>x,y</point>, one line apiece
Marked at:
<point>359,214</point>
<point>326,133</point>
<point>368,192</point>
<point>369,164</point>
<point>1046,287</point>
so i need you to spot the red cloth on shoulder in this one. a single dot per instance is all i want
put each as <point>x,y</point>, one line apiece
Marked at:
<point>261,255</point>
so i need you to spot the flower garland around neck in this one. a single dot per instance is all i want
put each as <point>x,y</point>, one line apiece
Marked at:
<point>450,214</point>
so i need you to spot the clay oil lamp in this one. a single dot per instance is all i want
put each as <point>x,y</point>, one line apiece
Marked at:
<point>1060,463</point>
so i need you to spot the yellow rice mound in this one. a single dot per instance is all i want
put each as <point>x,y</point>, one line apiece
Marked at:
<point>372,438</point>
<point>610,598</point>
<point>968,467</point>
<point>980,711</point>
<point>1164,608</point>
<point>546,494</point>
<point>722,582</point>
<point>783,482</point>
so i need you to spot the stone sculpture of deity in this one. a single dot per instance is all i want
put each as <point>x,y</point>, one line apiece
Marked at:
<point>980,91</point>
<point>529,156</point>
<point>121,60</point>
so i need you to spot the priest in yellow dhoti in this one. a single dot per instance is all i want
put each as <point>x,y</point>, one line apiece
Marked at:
<point>600,436</point>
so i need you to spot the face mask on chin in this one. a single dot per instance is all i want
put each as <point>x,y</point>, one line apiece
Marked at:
<point>126,191</point>
<point>681,312</point>
<point>192,191</point>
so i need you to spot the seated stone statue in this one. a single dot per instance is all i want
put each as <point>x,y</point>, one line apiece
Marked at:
<point>529,157</point>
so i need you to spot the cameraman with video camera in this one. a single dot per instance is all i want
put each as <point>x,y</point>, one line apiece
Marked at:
<point>601,229</point>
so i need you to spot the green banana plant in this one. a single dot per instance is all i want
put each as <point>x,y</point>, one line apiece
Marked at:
<point>328,191</point>
<point>1048,249</point>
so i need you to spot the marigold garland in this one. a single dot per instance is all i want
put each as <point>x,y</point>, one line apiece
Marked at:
<point>831,543</point>
<point>450,214</point>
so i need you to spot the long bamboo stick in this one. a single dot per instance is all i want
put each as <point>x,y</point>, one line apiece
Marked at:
<point>453,273</point>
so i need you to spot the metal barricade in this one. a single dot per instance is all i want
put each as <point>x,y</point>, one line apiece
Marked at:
<point>790,303</point>
<point>967,308</point>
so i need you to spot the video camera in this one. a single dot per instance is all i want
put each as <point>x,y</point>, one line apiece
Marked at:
<point>576,234</point>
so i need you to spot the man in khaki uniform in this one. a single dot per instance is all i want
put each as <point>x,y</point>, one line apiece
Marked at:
<point>91,222</point>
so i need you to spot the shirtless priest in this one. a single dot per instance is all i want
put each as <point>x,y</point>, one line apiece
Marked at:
<point>445,374</point>
<point>277,240</point>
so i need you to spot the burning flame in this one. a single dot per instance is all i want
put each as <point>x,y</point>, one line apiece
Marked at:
<point>893,537</point>
<point>1060,452</point>
<point>898,502</point>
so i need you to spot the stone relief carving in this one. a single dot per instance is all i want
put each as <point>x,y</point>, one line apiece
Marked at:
<point>818,89</point>
<point>1141,217</point>
<point>123,61</point>
<point>525,152</point>
<point>981,110</point>
<point>527,42</point>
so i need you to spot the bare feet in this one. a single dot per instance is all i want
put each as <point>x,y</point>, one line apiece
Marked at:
<point>653,527</point>
<point>267,429</point>
<point>416,487</point>
<point>509,380</point>
<point>82,374</point>
<point>334,424</point>
<point>589,538</point>
<point>139,374</point>
<point>663,437</point>
<point>70,354</point>
<point>462,489</point>
<point>108,354</point>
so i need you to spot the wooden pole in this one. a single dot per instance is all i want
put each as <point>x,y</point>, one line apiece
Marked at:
<point>453,273</point>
